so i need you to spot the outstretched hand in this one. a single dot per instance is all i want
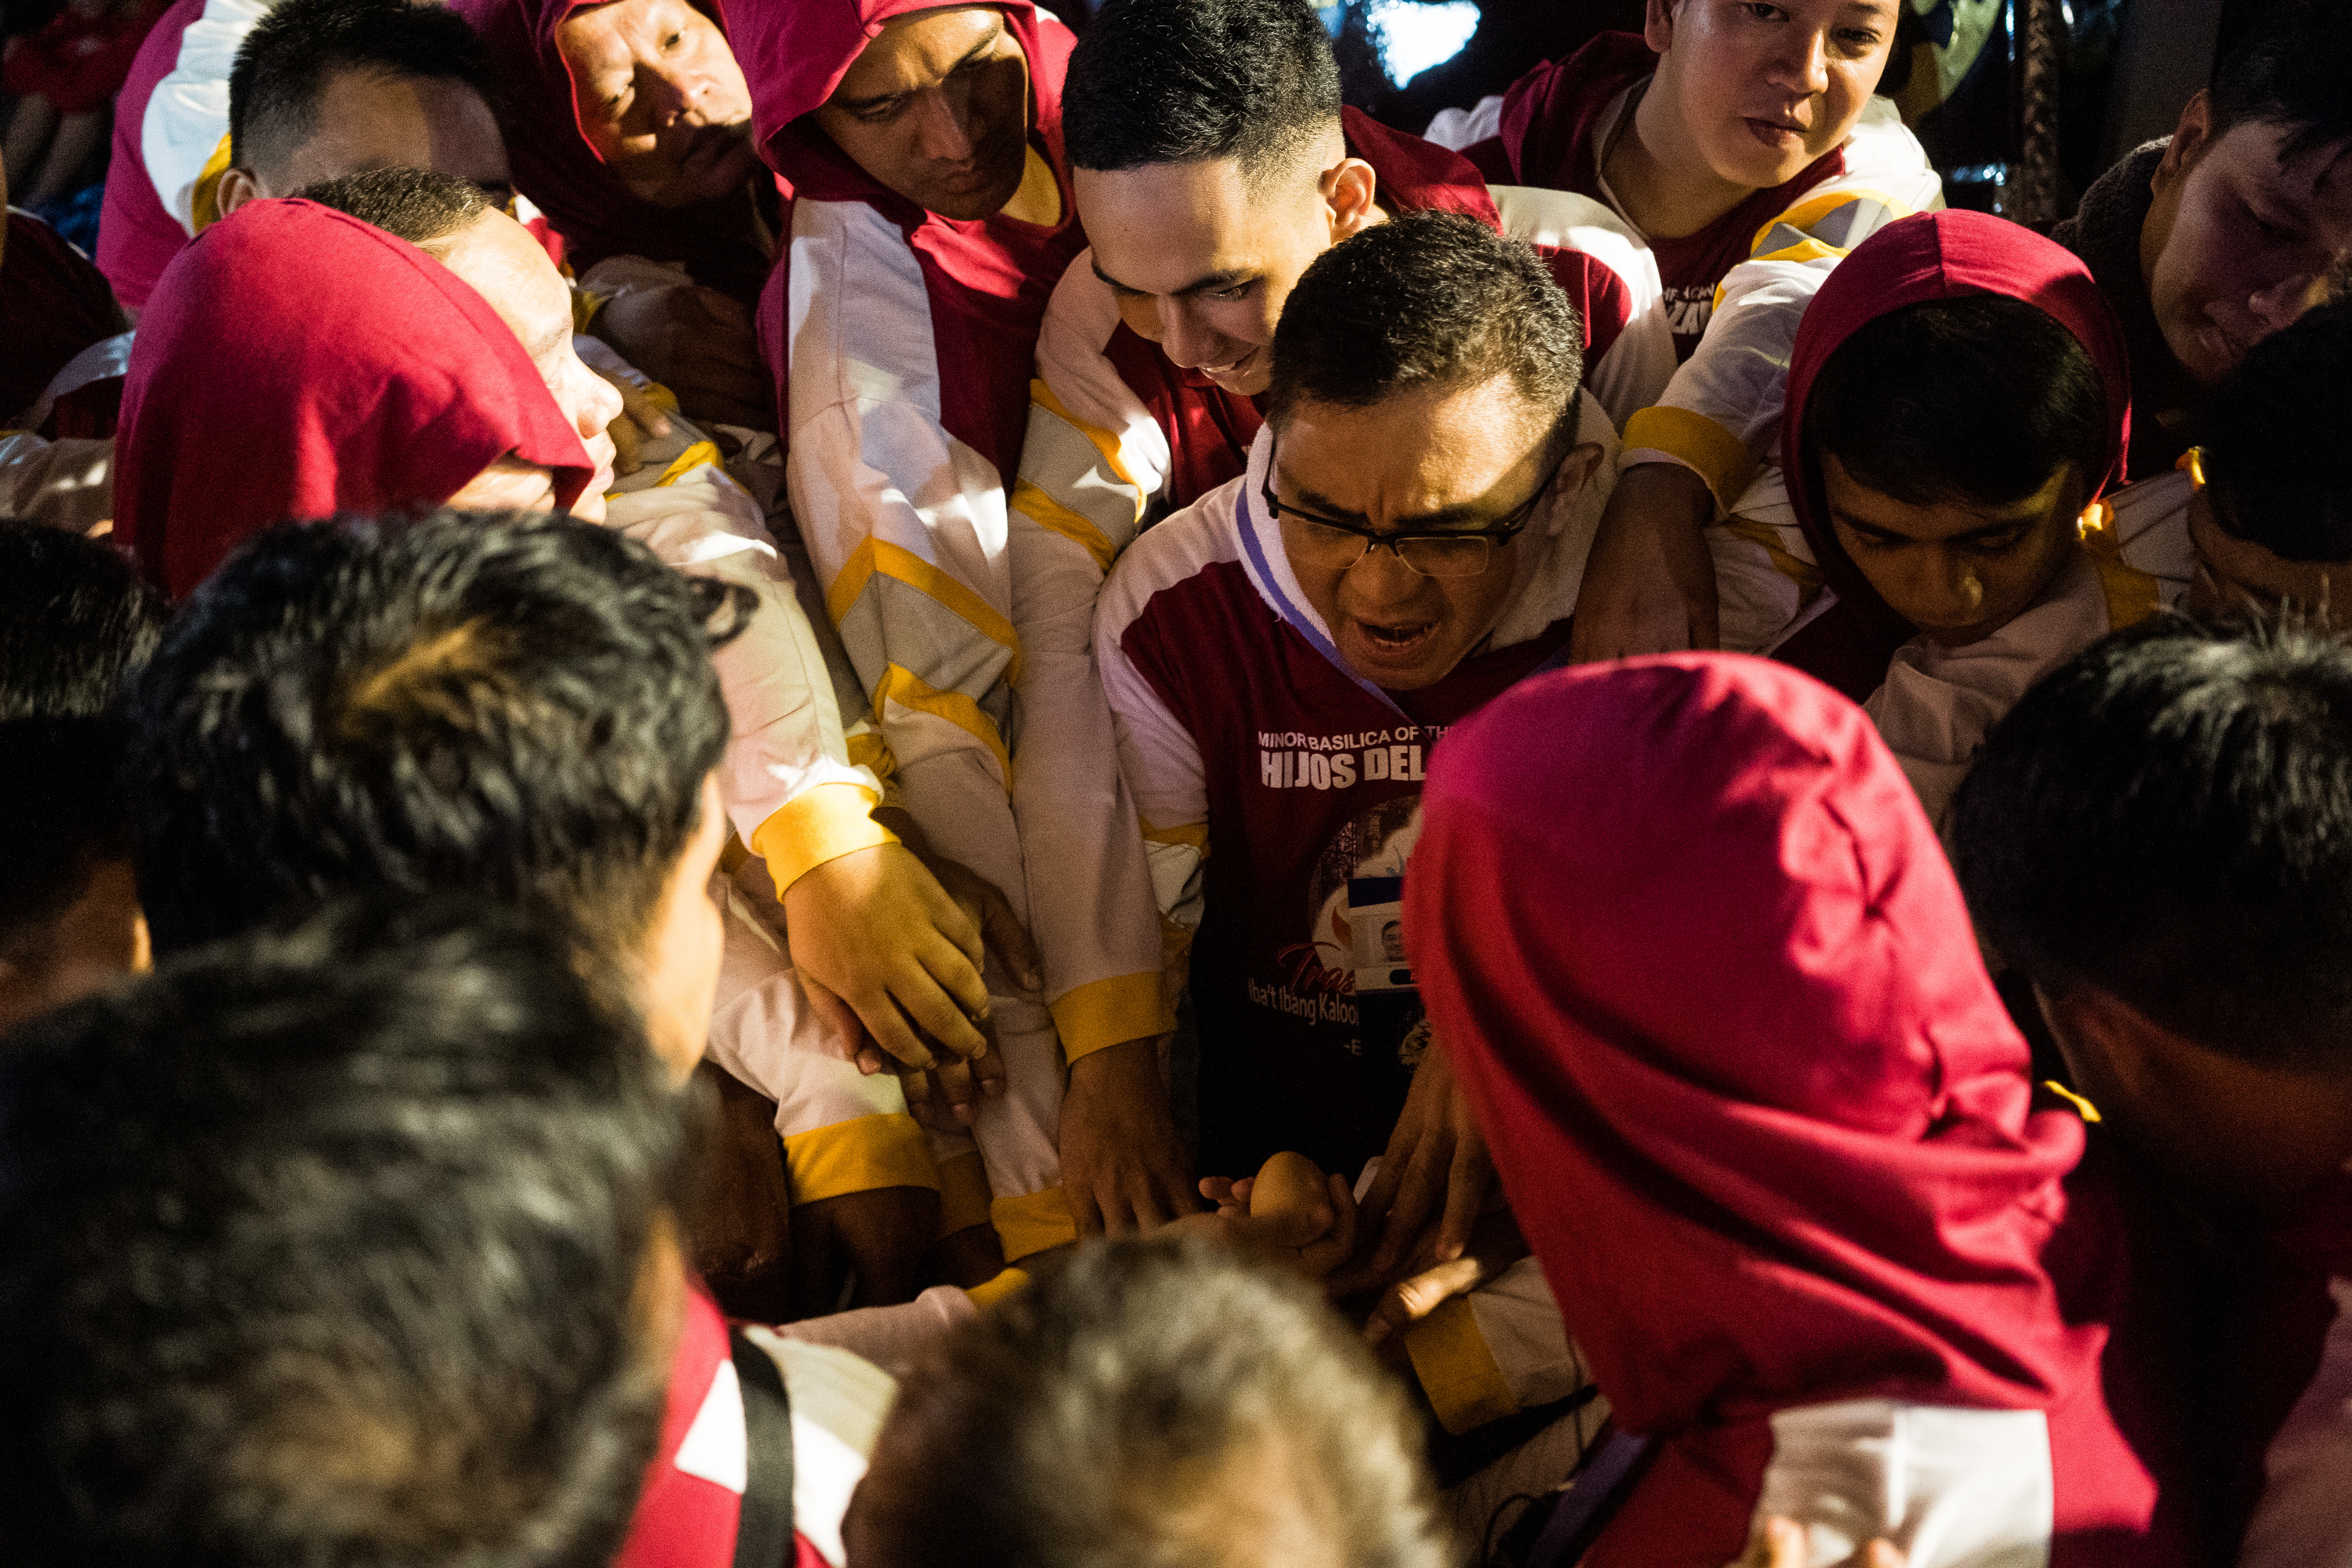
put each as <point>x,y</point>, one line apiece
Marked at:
<point>1436,1169</point>
<point>1290,1211</point>
<point>1123,1167</point>
<point>875,929</point>
<point>641,421</point>
<point>1649,582</point>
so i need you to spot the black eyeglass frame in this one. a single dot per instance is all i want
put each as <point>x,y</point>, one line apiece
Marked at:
<point>1515,521</point>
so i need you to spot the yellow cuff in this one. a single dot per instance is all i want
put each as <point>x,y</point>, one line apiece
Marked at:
<point>1456,1369</point>
<point>688,460</point>
<point>1700,444</point>
<point>963,1193</point>
<point>987,1295</point>
<point>858,1155</point>
<point>203,205</point>
<point>1032,1222</point>
<point>816,826</point>
<point>1103,1013</point>
<point>584,307</point>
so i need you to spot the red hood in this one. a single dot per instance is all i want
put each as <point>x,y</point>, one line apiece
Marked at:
<point>1930,256</point>
<point>250,402</point>
<point>795,54</point>
<point>1710,983</point>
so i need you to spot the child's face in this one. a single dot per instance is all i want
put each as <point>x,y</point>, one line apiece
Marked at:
<point>1765,89</point>
<point>1957,570</point>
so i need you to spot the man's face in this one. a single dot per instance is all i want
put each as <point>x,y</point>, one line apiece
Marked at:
<point>660,99</point>
<point>2236,240</point>
<point>1762,90</point>
<point>679,964</point>
<point>369,119</point>
<point>2236,575</point>
<point>1957,570</point>
<point>507,267</point>
<point>937,109</point>
<point>1201,263</point>
<point>1434,460</point>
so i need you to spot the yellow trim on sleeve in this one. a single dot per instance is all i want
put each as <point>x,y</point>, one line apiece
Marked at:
<point>816,826</point>
<point>875,556</point>
<point>1107,1012</point>
<point>868,750</point>
<point>1763,535</point>
<point>985,1296</point>
<point>688,460</point>
<point>908,690</point>
<point>963,1193</point>
<point>1813,208</point>
<point>1029,1224</point>
<point>1047,512</point>
<point>859,1156</point>
<point>1456,1369</point>
<point>1195,834</point>
<point>1705,447</point>
<point>2131,594</point>
<point>203,206</point>
<point>1101,440</point>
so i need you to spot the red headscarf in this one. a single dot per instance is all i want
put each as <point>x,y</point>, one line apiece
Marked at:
<point>294,362</point>
<point>1707,977</point>
<point>987,280</point>
<point>1927,256</point>
<point>556,167</point>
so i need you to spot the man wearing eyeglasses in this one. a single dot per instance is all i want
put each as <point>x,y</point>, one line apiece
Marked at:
<point>1280,658</point>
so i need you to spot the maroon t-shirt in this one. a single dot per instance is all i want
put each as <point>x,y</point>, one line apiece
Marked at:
<point>1550,137</point>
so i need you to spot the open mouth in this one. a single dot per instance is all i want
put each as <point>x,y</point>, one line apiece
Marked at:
<point>1233,371</point>
<point>1395,643</point>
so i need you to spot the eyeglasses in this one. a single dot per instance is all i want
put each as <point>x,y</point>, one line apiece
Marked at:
<point>1338,547</point>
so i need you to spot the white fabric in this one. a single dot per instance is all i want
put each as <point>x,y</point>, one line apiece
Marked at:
<point>1950,1488</point>
<point>892,1338</point>
<point>188,113</point>
<point>1633,372</point>
<point>838,1401</point>
<point>66,484</point>
<point>1460,128</point>
<point>716,1447</point>
<point>107,357</point>
<point>2304,1517</point>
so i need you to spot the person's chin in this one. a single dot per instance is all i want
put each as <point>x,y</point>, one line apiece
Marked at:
<point>1401,656</point>
<point>2206,352</point>
<point>1245,377</point>
<point>972,200</point>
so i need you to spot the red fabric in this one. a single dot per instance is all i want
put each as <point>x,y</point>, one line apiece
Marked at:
<point>987,280</point>
<point>77,62</point>
<point>1927,256</point>
<point>1209,430</point>
<point>683,1520</point>
<point>1709,984</point>
<point>553,164</point>
<point>137,235</point>
<point>1552,118</point>
<point>254,398</point>
<point>52,305</point>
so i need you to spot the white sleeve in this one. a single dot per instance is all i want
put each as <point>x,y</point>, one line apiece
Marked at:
<point>1633,372</point>
<point>66,484</point>
<point>1077,384</point>
<point>1460,128</point>
<point>1950,1488</point>
<point>187,114</point>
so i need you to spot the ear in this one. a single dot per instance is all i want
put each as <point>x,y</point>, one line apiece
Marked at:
<point>1348,191</point>
<point>2191,137</point>
<point>237,187</point>
<point>1658,24</point>
<point>1576,470</point>
<point>2106,1041</point>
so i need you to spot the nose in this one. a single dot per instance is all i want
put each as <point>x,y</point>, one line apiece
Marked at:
<point>598,406</point>
<point>1381,578</point>
<point>2279,305</point>
<point>1187,339</point>
<point>1802,64</point>
<point>675,92</point>
<point>1954,588</point>
<point>943,133</point>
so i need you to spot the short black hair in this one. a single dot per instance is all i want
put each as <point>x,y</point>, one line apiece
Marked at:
<point>284,64</point>
<point>1094,1417</point>
<point>2274,431</point>
<point>75,621</point>
<point>2289,72</point>
<point>2168,818</point>
<point>1182,81</point>
<point>1430,299</point>
<point>74,618</point>
<point>423,206</point>
<point>1981,398</point>
<point>517,705</point>
<point>325,1247</point>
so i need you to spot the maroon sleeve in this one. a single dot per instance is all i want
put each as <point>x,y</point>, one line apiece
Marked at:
<point>1602,301</point>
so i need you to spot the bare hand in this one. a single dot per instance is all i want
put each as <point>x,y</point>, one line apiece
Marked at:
<point>875,928</point>
<point>1122,1167</point>
<point>1436,1167</point>
<point>1781,1545</point>
<point>698,342</point>
<point>1649,583</point>
<point>1429,1284</point>
<point>640,422</point>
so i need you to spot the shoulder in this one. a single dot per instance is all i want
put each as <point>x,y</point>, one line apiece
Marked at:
<point>1171,553</point>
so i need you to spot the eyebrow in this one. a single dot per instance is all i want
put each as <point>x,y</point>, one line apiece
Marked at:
<point>859,104</point>
<point>1314,501</point>
<point>1999,525</point>
<point>1227,278</point>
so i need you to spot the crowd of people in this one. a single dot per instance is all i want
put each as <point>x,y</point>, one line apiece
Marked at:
<point>848,782</point>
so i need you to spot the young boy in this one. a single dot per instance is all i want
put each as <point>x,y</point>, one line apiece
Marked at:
<point>1931,542</point>
<point>75,619</point>
<point>2159,836</point>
